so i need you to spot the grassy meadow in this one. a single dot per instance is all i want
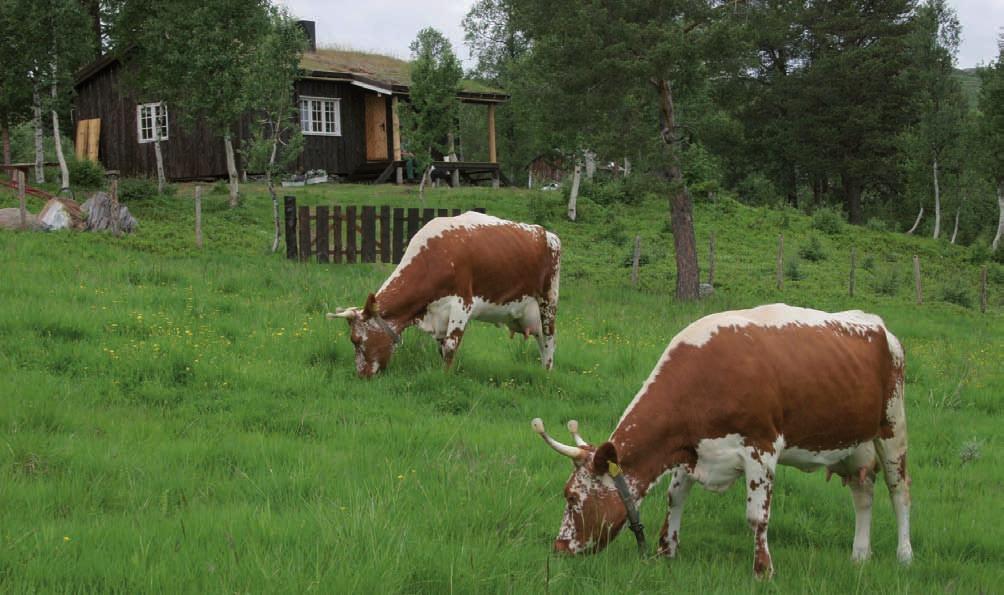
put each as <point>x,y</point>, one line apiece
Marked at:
<point>175,420</point>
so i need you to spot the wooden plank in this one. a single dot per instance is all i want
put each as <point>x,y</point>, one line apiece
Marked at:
<point>93,136</point>
<point>428,215</point>
<point>289,211</point>
<point>492,153</point>
<point>413,223</point>
<point>350,235</point>
<point>336,227</point>
<point>456,212</point>
<point>443,213</point>
<point>321,241</point>
<point>369,234</point>
<point>376,127</point>
<point>385,224</point>
<point>80,145</point>
<point>396,130</point>
<point>398,232</point>
<point>304,232</point>
<point>479,210</point>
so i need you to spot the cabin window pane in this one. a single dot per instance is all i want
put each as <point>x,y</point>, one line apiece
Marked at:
<point>320,116</point>
<point>151,120</point>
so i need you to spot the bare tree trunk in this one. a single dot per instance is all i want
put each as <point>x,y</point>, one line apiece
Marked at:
<point>920,215</point>
<point>421,185</point>
<point>159,154</point>
<point>57,139</point>
<point>955,232</point>
<point>22,207</point>
<point>271,190</point>
<point>937,202</point>
<point>627,167</point>
<point>231,170</point>
<point>6,142</point>
<point>573,196</point>
<point>39,136</point>
<point>1000,221</point>
<point>681,205</point>
<point>636,261</point>
<point>590,165</point>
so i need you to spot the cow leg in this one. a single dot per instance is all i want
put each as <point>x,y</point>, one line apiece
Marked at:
<point>545,333</point>
<point>448,344</point>
<point>760,467</point>
<point>862,488</point>
<point>669,537</point>
<point>892,457</point>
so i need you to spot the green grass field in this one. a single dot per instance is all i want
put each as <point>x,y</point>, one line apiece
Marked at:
<point>184,421</point>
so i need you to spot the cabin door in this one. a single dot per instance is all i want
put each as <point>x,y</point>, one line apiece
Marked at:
<point>376,128</point>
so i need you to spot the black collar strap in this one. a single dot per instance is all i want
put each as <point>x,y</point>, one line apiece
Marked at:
<point>387,329</point>
<point>628,499</point>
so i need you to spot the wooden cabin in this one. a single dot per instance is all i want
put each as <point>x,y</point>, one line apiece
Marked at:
<point>348,104</point>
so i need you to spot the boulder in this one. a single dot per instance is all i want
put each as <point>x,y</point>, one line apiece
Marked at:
<point>102,215</point>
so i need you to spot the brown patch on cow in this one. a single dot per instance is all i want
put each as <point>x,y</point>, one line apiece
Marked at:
<point>497,263</point>
<point>822,387</point>
<point>754,484</point>
<point>761,560</point>
<point>901,467</point>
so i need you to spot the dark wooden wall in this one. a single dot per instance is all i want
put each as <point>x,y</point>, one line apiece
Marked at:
<point>198,153</point>
<point>187,154</point>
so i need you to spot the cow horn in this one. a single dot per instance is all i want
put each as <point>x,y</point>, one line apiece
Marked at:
<point>573,427</point>
<point>572,452</point>
<point>343,313</point>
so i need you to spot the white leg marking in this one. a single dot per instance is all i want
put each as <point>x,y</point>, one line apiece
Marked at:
<point>679,488</point>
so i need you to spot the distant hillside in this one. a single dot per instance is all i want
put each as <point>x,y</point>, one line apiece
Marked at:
<point>970,80</point>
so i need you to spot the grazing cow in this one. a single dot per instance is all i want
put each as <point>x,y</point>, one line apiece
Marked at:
<point>457,269</point>
<point>738,393</point>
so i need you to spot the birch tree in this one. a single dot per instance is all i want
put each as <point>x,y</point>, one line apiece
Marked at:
<point>991,127</point>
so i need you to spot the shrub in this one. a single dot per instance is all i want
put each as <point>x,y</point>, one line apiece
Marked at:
<point>876,224</point>
<point>793,270</point>
<point>868,263</point>
<point>614,231</point>
<point>137,189</point>
<point>979,252</point>
<point>540,211</point>
<point>887,282</point>
<point>220,187</point>
<point>813,250</point>
<point>828,220</point>
<point>629,259</point>
<point>86,174</point>
<point>756,189</point>
<point>957,294</point>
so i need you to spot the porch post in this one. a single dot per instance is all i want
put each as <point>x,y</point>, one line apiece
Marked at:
<point>396,135</point>
<point>492,155</point>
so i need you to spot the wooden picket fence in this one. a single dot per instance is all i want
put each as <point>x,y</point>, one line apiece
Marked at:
<point>349,234</point>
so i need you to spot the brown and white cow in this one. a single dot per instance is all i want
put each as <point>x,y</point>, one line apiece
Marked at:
<point>738,393</point>
<point>457,269</point>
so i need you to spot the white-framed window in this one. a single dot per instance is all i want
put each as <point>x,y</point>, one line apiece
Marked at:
<point>151,119</point>
<point>321,116</point>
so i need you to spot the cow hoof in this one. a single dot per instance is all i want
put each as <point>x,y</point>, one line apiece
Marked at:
<point>905,554</point>
<point>860,556</point>
<point>763,574</point>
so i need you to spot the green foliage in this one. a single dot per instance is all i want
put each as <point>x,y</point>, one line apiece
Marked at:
<point>827,220</point>
<point>435,77</point>
<point>887,282</point>
<point>219,187</point>
<point>955,293</point>
<point>541,211</point>
<point>757,189</point>
<point>876,224</point>
<point>812,250</point>
<point>793,270</point>
<point>868,263</point>
<point>85,173</point>
<point>133,189</point>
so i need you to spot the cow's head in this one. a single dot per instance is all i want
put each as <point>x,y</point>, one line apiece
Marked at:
<point>373,337</point>
<point>594,511</point>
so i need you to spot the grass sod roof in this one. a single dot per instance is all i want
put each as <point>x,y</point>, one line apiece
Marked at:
<point>379,68</point>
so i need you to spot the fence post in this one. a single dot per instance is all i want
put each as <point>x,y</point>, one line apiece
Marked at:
<point>635,261</point>
<point>21,205</point>
<point>916,278</point>
<point>321,220</point>
<point>711,248</point>
<point>780,261</point>
<point>304,232</point>
<point>198,216</point>
<point>289,212</point>
<point>983,289</point>
<point>369,240</point>
<point>854,253</point>
<point>385,223</point>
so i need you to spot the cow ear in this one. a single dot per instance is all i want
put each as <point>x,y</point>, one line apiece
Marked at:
<point>605,454</point>
<point>370,309</point>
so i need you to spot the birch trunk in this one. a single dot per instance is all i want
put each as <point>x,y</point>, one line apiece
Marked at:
<point>231,170</point>
<point>36,106</point>
<point>955,232</point>
<point>421,185</point>
<point>271,190</point>
<point>937,202</point>
<point>57,140</point>
<point>1000,221</point>
<point>573,196</point>
<point>627,167</point>
<point>920,215</point>
<point>160,158</point>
